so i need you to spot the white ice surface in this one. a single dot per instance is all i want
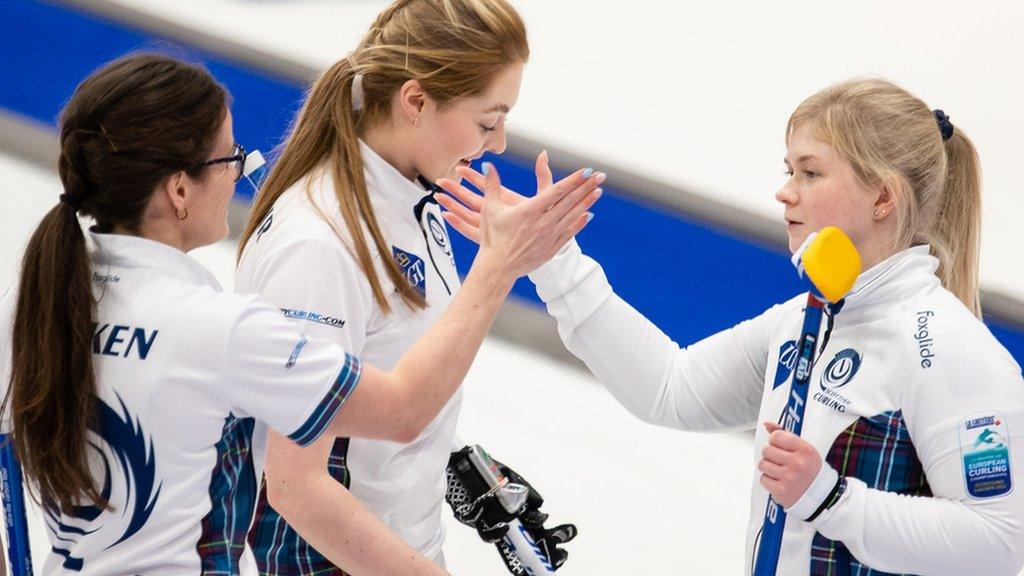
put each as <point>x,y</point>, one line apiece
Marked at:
<point>647,500</point>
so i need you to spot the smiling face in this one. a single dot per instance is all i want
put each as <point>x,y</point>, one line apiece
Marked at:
<point>823,190</point>
<point>466,128</point>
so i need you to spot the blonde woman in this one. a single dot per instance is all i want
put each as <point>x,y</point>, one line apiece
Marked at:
<point>913,436</point>
<point>345,238</point>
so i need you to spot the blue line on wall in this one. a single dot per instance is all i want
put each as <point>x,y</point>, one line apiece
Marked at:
<point>690,279</point>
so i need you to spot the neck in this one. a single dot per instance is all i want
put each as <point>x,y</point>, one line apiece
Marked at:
<point>391,144</point>
<point>159,231</point>
<point>879,243</point>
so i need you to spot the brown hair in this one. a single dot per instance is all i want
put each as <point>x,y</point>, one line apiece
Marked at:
<point>888,135</point>
<point>129,125</point>
<point>454,48</point>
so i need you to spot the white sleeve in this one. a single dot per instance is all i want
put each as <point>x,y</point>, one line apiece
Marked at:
<point>714,384</point>
<point>318,284</point>
<point>965,414</point>
<point>273,372</point>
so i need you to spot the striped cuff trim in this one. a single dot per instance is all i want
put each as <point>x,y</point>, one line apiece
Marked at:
<point>332,402</point>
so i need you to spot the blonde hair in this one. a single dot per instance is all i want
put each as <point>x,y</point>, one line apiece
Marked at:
<point>454,48</point>
<point>890,136</point>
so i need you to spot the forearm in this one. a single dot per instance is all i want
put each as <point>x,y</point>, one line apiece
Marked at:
<point>712,385</point>
<point>925,535</point>
<point>433,368</point>
<point>330,518</point>
<point>338,526</point>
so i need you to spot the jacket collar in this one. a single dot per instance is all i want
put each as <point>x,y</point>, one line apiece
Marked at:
<point>893,278</point>
<point>386,182</point>
<point>124,251</point>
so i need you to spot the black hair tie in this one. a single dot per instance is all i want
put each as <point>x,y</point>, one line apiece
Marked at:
<point>66,199</point>
<point>945,126</point>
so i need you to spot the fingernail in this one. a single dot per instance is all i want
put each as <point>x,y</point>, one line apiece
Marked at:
<point>486,168</point>
<point>600,177</point>
<point>590,216</point>
<point>587,172</point>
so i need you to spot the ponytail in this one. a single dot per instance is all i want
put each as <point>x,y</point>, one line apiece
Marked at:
<point>956,230</point>
<point>53,386</point>
<point>326,129</point>
<point>454,48</point>
<point>888,134</point>
<point>128,127</point>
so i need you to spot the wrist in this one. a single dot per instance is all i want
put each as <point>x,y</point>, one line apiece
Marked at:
<point>818,493</point>
<point>491,272</point>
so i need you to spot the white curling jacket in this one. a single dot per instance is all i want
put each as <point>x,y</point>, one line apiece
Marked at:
<point>301,260</point>
<point>913,400</point>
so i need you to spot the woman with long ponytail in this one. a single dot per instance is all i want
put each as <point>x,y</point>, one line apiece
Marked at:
<point>345,237</point>
<point>131,380</point>
<point>911,455</point>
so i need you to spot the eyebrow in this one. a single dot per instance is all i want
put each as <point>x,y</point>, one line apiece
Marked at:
<point>498,108</point>
<point>800,159</point>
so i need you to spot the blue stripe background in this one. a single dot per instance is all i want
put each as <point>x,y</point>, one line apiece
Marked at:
<point>689,278</point>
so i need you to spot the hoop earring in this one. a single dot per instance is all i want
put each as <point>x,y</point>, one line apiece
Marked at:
<point>180,218</point>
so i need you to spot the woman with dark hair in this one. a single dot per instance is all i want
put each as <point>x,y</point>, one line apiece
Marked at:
<point>130,377</point>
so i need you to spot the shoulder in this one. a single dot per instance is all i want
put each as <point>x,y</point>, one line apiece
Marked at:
<point>945,341</point>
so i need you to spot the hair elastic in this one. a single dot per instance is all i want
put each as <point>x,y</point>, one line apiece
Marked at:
<point>945,126</point>
<point>75,204</point>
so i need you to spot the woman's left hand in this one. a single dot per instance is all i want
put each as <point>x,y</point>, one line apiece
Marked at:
<point>462,205</point>
<point>788,465</point>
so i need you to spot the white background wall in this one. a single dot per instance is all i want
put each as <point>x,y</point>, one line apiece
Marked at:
<point>698,94</point>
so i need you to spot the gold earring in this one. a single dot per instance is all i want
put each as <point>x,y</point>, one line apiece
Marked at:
<point>180,218</point>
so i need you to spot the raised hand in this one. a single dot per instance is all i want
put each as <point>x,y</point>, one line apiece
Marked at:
<point>517,232</point>
<point>463,205</point>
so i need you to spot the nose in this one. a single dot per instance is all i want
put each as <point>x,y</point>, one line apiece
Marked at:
<point>786,195</point>
<point>498,142</point>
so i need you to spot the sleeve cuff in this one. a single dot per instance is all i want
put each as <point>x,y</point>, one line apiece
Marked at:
<point>331,403</point>
<point>549,272</point>
<point>815,494</point>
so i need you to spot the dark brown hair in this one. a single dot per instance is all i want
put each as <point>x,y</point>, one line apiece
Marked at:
<point>130,125</point>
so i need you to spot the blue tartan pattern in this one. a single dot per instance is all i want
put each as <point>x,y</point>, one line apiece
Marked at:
<point>278,548</point>
<point>879,452</point>
<point>328,407</point>
<point>232,494</point>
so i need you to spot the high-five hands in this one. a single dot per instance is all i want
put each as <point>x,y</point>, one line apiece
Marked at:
<point>528,230</point>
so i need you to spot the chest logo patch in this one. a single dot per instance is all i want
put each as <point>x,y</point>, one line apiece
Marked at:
<point>841,369</point>
<point>439,234</point>
<point>787,359</point>
<point>413,268</point>
<point>985,449</point>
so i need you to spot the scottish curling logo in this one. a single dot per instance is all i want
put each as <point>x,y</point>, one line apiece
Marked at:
<point>438,232</point>
<point>839,372</point>
<point>841,369</point>
<point>128,470</point>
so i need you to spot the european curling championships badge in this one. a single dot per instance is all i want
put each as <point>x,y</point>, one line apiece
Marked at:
<point>985,447</point>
